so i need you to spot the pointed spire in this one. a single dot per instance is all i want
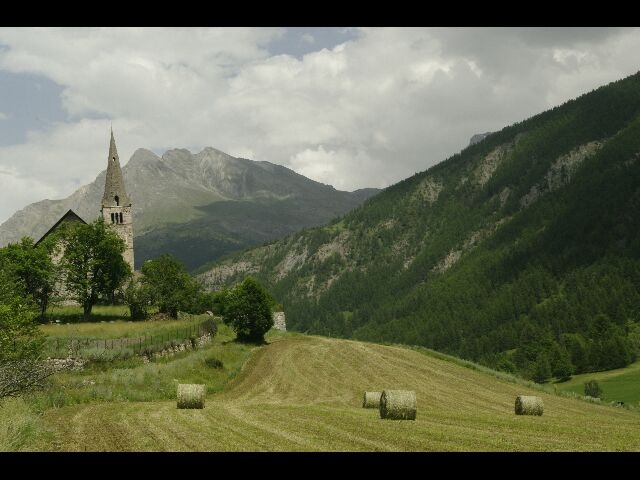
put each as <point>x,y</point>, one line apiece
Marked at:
<point>114,191</point>
<point>113,151</point>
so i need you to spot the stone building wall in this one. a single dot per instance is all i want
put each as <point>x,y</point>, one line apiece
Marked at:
<point>279,322</point>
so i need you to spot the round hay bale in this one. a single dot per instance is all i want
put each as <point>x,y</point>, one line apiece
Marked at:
<point>371,400</point>
<point>398,404</point>
<point>190,395</point>
<point>529,405</point>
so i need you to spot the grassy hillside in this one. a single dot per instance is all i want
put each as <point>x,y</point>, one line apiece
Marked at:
<point>521,252</point>
<point>305,393</point>
<point>619,385</point>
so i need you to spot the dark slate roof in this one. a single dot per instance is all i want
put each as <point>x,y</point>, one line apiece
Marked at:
<point>70,216</point>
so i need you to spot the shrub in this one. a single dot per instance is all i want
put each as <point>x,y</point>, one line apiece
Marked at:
<point>209,326</point>
<point>137,297</point>
<point>592,389</point>
<point>213,363</point>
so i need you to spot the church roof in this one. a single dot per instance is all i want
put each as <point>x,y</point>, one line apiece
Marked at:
<point>114,184</point>
<point>70,216</point>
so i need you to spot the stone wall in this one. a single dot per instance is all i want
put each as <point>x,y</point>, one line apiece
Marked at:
<point>279,322</point>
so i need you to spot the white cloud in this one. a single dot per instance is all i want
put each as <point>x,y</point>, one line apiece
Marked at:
<point>3,116</point>
<point>368,112</point>
<point>308,38</point>
<point>335,167</point>
<point>21,190</point>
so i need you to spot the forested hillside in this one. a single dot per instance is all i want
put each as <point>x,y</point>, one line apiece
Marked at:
<point>521,252</point>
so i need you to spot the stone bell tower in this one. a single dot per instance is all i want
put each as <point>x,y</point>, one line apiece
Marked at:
<point>116,206</point>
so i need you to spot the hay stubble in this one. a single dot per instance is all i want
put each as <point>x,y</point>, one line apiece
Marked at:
<point>304,393</point>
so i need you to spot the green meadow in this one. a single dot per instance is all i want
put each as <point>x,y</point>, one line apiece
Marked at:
<point>622,384</point>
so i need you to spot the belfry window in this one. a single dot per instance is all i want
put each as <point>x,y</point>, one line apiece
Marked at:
<point>117,199</point>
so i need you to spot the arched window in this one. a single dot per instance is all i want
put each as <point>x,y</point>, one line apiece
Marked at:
<point>121,218</point>
<point>113,220</point>
<point>117,199</point>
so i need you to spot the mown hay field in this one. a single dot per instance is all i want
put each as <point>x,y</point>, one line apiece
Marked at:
<point>302,393</point>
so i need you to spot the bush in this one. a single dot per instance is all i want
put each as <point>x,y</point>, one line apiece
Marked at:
<point>592,389</point>
<point>209,326</point>
<point>21,342</point>
<point>137,297</point>
<point>100,355</point>
<point>213,363</point>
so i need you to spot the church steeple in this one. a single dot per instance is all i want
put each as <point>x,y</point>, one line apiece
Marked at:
<point>116,205</point>
<point>115,194</point>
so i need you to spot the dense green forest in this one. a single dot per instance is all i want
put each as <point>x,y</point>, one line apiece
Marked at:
<point>521,252</point>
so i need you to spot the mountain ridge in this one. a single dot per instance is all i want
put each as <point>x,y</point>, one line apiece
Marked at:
<point>174,194</point>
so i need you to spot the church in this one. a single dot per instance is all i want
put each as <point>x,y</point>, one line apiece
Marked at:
<point>115,206</point>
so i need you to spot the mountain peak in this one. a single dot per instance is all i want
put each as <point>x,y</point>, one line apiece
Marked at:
<point>214,151</point>
<point>142,156</point>
<point>197,206</point>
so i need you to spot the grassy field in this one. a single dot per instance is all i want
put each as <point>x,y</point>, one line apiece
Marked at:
<point>20,424</point>
<point>116,328</point>
<point>622,384</point>
<point>130,380</point>
<point>305,393</point>
<point>117,338</point>
<point>134,379</point>
<point>73,313</point>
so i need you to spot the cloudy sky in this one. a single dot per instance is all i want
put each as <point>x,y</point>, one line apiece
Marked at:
<point>351,107</point>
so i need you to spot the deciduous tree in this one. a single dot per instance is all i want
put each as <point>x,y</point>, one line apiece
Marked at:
<point>92,262</point>
<point>247,309</point>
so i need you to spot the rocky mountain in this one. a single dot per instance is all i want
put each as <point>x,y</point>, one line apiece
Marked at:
<point>478,137</point>
<point>521,252</point>
<point>199,206</point>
